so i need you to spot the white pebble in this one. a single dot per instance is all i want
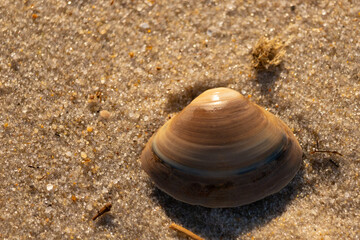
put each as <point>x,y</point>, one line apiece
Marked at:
<point>49,187</point>
<point>144,25</point>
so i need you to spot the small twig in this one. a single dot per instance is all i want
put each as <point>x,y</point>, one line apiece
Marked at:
<point>184,230</point>
<point>335,163</point>
<point>41,178</point>
<point>326,151</point>
<point>323,151</point>
<point>103,210</point>
<point>30,166</point>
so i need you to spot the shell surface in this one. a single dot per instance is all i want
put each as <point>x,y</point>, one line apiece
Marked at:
<point>222,151</point>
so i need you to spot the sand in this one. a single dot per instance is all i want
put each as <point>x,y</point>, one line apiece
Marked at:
<point>84,85</point>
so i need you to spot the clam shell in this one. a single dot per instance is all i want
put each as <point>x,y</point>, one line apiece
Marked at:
<point>222,151</point>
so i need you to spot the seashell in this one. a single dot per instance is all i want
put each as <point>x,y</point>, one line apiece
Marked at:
<point>222,151</point>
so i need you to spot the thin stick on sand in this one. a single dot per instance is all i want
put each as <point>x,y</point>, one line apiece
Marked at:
<point>103,210</point>
<point>184,230</point>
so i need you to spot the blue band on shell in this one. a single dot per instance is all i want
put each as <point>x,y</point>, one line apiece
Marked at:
<point>274,156</point>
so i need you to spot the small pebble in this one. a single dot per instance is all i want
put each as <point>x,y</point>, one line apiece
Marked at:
<point>105,114</point>
<point>144,25</point>
<point>83,155</point>
<point>49,187</point>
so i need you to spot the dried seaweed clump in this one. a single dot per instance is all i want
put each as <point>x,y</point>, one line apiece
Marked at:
<point>267,53</point>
